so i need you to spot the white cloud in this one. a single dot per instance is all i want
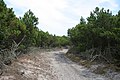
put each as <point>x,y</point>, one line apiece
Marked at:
<point>56,16</point>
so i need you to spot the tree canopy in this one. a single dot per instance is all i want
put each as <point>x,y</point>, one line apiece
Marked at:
<point>17,34</point>
<point>13,28</point>
<point>100,32</point>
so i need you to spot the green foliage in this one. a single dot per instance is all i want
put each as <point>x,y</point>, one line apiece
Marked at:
<point>9,26</point>
<point>17,34</point>
<point>13,28</point>
<point>100,32</point>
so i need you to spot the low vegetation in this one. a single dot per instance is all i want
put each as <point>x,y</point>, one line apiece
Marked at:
<point>17,34</point>
<point>97,38</point>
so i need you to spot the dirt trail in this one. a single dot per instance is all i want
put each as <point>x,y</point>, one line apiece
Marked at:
<point>51,65</point>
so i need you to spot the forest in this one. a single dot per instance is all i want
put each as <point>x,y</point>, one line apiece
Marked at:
<point>29,53</point>
<point>97,37</point>
<point>17,34</point>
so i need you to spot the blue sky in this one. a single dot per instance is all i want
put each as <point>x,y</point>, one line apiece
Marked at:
<point>56,16</point>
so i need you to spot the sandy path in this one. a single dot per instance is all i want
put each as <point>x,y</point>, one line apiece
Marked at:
<point>51,65</point>
<point>67,70</point>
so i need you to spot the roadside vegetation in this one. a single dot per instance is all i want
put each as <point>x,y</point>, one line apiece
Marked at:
<point>94,39</point>
<point>97,38</point>
<point>17,34</point>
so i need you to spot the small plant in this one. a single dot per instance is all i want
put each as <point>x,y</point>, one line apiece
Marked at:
<point>100,70</point>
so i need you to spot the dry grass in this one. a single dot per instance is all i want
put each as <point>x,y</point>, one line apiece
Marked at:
<point>100,70</point>
<point>86,63</point>
<point>78,60</point>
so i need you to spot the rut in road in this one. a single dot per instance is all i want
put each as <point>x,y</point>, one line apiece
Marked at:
<point>52,65</point>
<point>67,70</point>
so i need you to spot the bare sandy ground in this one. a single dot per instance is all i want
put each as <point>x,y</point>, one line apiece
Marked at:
<point>52,65</point>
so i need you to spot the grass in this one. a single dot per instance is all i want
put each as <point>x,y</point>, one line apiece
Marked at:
<point>78,60</point>
<point>98,70</point>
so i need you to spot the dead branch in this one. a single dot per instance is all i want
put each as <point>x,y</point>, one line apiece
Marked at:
<point>91,55</point>
<point>100,55</point>
<point>9,54</point>
<point>21,40</point>
<point>15,47</point>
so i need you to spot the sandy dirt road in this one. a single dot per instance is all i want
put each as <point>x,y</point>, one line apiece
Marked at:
<point>50,65</point>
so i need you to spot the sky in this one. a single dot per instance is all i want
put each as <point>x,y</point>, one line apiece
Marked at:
<point>57,16</point>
